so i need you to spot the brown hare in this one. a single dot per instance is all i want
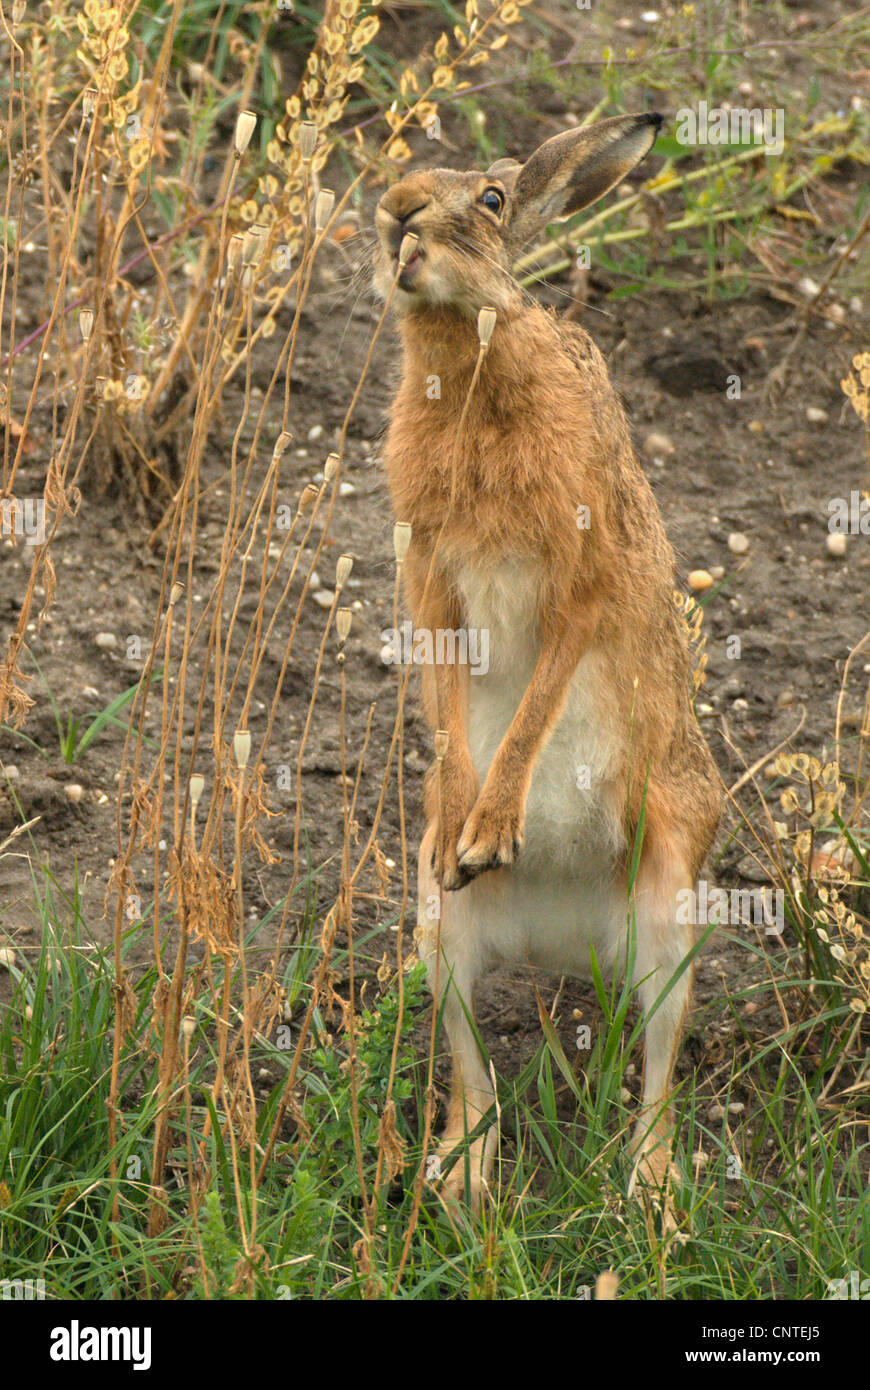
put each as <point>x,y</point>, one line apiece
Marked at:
<point>533,523</point>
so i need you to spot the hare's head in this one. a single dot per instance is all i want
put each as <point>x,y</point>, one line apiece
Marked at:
<point>471,226</point>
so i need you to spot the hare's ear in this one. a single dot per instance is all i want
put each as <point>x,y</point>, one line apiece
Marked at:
<point>573,169</point>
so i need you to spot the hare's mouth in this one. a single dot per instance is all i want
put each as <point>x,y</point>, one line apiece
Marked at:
<point>408,272</point>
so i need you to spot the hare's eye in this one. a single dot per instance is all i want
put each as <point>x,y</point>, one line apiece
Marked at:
<point>493,200</point>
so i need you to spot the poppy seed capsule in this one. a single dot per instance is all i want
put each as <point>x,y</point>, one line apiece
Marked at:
<point>323,207</point>
<point>306,498</point>
<point>234,250</point>
<point>343,620</point>
<point>282,444</point>
<point>242,747</point>
<point>307,139</point>
<point>407,248</point>
<point>245,123</point>
<point>330,468</point>
<point>254,244</point>
<point>86,323</point>
<point>197,785</point>
<point>343,568</point>
<point>401,540</point>
<point>486,325</point>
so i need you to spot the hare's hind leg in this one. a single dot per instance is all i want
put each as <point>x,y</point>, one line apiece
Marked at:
<point>662,944</point>
<point>452,952</point>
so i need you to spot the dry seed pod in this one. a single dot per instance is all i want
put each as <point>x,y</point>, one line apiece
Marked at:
<point>330,468</point>
<point>245,123</point>
<point>86,323</point>
<point>342,570</point>
<point>307,139</point>
<point>486,325</point>
<point>175,593</point>
<point>323,206</point>
<point>99,387</point>
<point>242,747</point>
<point>234,250</point>
<point>282,444</point>
<point>197,785</point>
<point>306,498</point>
<point>343,620</point>
<point>254,242</point>
<point>188,1024</point>
<point>407,248</point>
<point>89,101</point>
<point>401,540</point>
<point>442,738</point>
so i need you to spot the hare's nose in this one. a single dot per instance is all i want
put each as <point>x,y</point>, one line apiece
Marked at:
<point>395,212</point>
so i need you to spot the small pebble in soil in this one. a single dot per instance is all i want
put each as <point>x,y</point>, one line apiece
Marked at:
<point>324,598</point>
<point>11,771</point>
<point>314,433</point>
<point>699,580</point>
<point>738,543</point>
<point>7,957</point>
<point>816,415</point>
<point>658,445</point>
<point>74,792</point>
<point>105,641</point>
<point>717,571</point>
<point>346,490</point>
<point>836,544</point>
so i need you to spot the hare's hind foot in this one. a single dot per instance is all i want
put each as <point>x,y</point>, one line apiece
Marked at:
<point>655,1176</point>
<point>462,1187</point>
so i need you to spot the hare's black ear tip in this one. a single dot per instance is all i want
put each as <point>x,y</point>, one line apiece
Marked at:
<point>654,118</point>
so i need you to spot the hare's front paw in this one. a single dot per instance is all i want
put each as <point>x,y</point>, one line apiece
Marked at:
<point>459,794</point>
<point>492,836</point>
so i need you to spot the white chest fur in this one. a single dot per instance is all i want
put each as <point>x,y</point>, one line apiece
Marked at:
<point>571,828</point>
